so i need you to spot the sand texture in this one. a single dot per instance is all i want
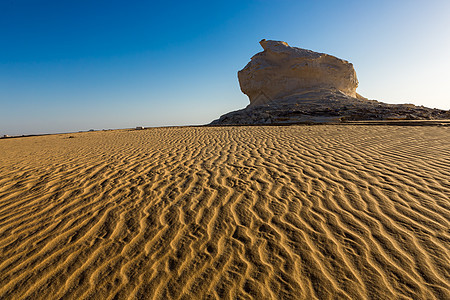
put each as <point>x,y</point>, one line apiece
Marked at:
<point>293,212</point>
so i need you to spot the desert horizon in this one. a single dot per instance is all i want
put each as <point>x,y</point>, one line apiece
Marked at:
<point>435,122</point>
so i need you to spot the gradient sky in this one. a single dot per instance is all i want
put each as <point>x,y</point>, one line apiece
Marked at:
<point>75,65</point>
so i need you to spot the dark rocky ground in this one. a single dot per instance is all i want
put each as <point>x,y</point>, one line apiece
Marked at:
<point>326,106</point>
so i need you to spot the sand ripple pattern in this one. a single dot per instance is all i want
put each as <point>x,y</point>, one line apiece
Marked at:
<point>297,212</point>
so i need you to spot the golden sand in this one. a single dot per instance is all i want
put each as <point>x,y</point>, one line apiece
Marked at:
<point>294,212</point>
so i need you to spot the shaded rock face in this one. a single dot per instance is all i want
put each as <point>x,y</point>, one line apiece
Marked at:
<point>288,85</point>
<point>281,71</point>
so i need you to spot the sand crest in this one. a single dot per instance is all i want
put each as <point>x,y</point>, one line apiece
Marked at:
<point>293,212</point>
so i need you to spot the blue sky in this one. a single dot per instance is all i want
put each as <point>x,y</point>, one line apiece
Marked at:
<point>75,65</point>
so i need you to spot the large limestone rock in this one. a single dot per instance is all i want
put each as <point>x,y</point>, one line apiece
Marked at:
<point>281,71</point>
<point>288,85</point>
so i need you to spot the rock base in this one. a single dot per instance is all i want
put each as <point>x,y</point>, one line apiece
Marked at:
<point>327,106</point>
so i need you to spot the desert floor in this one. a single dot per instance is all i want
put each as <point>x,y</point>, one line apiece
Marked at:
<point>289,212</point>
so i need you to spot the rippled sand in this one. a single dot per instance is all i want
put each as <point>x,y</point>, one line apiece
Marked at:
<point>295,212</point>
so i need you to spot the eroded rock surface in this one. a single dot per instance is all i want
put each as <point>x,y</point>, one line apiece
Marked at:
<point>325,106</point>
<point>292,85</point>
<point>281,71</point>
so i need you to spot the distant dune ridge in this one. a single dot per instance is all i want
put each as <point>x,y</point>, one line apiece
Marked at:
<point>293,85</point>
<point>248,212</point>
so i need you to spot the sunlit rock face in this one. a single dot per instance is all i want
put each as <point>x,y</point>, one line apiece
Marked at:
<point>282,71</point>
<point>288,85</point>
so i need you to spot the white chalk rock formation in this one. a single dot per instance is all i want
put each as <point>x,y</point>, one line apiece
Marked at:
<point>282,71</point>
<point>288,85</point>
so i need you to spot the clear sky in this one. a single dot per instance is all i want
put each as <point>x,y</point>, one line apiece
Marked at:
<point>75,65</point>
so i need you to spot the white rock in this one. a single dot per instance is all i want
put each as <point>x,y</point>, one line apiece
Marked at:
<point>282,71</point>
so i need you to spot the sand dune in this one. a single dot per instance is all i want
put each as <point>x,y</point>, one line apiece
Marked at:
<point>295,212</point>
